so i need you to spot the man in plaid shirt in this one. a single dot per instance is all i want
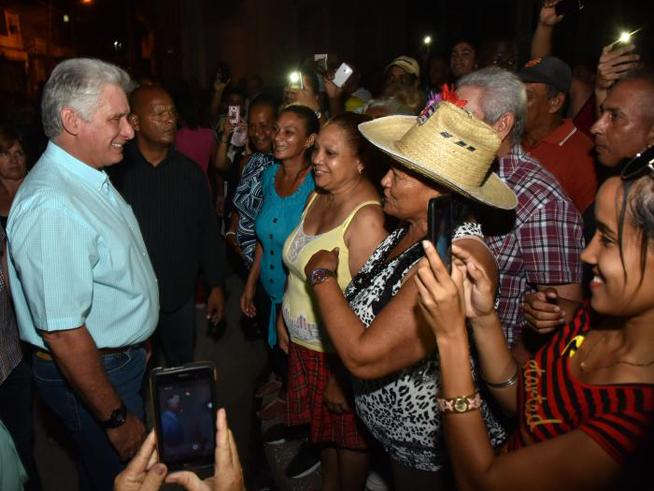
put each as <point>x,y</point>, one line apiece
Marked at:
<point>537,246</point>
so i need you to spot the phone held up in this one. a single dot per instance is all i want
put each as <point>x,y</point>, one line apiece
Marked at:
<point>567,7</point>
<point>184,400</point>
<point>234,114</point>
<point>342,74</point>
<point>295,81</point>
<point>439,231</point>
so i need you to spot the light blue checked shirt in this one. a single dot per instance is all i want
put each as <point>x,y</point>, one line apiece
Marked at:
<point>77,256</point>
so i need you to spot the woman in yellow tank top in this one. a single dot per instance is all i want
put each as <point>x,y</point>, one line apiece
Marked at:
<point>344,213</point>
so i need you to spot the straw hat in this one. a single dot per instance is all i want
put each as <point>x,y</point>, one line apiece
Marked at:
<point>451,147</point>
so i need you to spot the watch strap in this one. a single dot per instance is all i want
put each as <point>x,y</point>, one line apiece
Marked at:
<point>461,404</point>
<point>319,275</point>
<point>117,418</point>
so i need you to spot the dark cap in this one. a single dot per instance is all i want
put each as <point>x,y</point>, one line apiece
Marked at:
<point>547,70</point>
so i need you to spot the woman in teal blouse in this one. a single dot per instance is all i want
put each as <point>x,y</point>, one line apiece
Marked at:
<point>286,187</point>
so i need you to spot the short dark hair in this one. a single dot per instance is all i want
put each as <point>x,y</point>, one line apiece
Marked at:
<point>8,137</point>
<point>307,115</point>
<point>264,100</point>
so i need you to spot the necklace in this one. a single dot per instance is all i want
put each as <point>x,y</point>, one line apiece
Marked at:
<point>583,365</point>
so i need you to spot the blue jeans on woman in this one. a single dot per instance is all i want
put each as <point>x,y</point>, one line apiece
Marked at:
<point>98,463</point>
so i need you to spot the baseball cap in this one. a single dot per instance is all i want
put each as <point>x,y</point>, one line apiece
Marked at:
<point>406,63</point>
<point>547,70</point>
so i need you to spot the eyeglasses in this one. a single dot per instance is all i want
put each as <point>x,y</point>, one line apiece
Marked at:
<point>641,164</point>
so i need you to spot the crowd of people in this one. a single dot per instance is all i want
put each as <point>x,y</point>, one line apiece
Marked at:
<point>525,362</point>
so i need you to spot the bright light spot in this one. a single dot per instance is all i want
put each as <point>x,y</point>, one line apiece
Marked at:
<point>427,40</point>
<point>294,77</point>
<point>625,37</point>
<point>86,2</point>
<point>66,18</point>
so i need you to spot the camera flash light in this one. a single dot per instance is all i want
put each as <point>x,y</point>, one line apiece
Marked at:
<point>625,37</point>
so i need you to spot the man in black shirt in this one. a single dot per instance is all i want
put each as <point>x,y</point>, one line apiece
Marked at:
<point>171,200</point>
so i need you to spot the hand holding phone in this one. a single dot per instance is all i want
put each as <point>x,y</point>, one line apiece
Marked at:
<point>342,75</point>
<point>614,63</point>
<point>184,400</point>
<point>439,227</point>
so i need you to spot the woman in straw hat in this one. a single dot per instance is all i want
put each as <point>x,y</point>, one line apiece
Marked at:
<point>585,402</point>
<point>375,325</point>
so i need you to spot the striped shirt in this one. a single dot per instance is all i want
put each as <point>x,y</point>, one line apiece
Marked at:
<point>77,256</point>
<point>552,402</point>
<point>10,352</point>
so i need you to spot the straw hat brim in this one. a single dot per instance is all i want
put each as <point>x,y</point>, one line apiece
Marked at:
<point>384,132</point>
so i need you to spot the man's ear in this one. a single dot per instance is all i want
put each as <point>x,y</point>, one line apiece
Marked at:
<point>70,121</point>
<point>556,103</point>
<point>133,120</point>
<point>504,125</point>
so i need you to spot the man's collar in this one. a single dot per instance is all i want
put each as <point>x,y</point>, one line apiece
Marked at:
<point>510,162</point>
<point>85,172</point>
<point>561,134</point>
<point>136,154</point>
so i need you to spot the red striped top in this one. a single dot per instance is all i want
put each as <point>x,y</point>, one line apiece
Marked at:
<point>552,401</point>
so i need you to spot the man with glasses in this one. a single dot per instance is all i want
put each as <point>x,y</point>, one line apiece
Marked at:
<point>172,203</point>
<point>624,134</point>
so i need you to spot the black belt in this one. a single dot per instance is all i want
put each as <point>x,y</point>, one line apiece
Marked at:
<point>44,355</point>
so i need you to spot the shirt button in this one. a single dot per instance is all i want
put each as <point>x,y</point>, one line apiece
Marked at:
<point>272,267</point>
<point>272,253</point>
<point>271,236</point>
<point>274,220</point>
<point>271,280</point>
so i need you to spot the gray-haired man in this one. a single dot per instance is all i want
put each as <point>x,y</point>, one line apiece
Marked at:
<point>84,290</point>
<point>539,246</point>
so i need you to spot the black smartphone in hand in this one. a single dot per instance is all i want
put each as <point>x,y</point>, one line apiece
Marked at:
<point>439,227</point>
<point>184,400</point>
<point>567,7</point>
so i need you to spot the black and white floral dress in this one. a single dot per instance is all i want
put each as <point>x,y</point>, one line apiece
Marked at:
<point>400,409</point>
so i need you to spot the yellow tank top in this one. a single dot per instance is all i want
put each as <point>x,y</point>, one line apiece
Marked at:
<point>300,313</point>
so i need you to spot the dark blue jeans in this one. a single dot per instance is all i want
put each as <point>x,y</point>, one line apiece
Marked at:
<point>17,415</point>
<point>98,462</point>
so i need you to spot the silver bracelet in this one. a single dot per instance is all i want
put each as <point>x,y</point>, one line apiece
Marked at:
<point>512,380</point>
<point>230,232</point>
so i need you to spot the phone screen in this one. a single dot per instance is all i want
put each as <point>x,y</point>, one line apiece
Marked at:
<point>184,403</point>
<point>567,7</point>
<point>439,222</point>
<point>234,114</point>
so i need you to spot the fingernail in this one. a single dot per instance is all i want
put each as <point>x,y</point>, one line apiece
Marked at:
<point>426,244</point>
<point>160,469</point>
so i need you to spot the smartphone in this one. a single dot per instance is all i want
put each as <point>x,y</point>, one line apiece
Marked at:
<point>342,74</point>
<point>567,7</point>
<point>295,80</point>
<point>625,38</point>
<point>184,400</point>
<point>222,73</point>
<point>234,114</point>
<point>320,60</point>
<point>439,227</point>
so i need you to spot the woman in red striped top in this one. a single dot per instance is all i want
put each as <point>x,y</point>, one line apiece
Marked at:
<point>585,403</point>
